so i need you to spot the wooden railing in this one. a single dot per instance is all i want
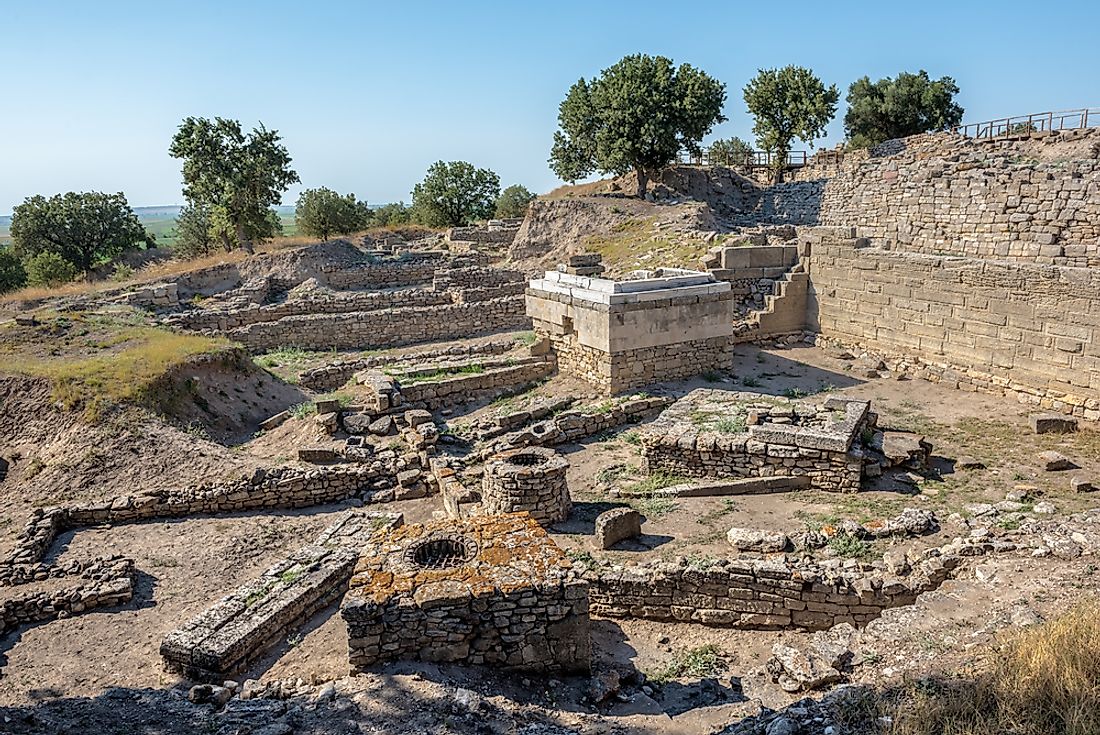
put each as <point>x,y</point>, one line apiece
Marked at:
<point>1041,122</point>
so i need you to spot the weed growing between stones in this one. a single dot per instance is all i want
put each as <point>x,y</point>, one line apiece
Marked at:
<point>700,662</point>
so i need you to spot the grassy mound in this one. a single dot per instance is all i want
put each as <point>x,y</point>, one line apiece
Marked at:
<point>94,361</point>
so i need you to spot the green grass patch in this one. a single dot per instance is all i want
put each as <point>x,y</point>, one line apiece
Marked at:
<point>700,662</point>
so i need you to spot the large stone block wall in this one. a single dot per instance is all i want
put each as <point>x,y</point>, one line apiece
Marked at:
<point>636,368</point>
<point>1028,331</point>
<point>945,194</point>
<point>385,328</point>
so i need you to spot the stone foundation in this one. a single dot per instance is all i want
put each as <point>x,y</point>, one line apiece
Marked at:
<point>711,433</point>
<point>492,590</point>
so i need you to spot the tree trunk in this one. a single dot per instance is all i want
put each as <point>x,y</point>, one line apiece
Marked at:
<point>227,244</point>
<point>244,241</point>
<point>642,181</point>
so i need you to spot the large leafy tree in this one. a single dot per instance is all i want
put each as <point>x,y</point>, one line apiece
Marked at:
<point>513,201</point>
<point>455,193</point>
<point>322,212</point>
<point>239,176</point>
<point>81,228</point>
<point>895,108</point>
<point>729,152</point>
<point>789,103</point>
<point>636,116</point>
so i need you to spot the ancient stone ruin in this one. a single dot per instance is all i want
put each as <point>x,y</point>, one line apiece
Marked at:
<point>491,590</point>
<point>618,335</point>
<point>529,480</point>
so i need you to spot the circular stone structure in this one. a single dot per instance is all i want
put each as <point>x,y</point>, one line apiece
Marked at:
<point>530,479</point>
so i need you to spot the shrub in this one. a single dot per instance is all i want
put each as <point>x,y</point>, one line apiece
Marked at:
<point>122,272</point>
<point>12,273</point>
<point>49,270</point>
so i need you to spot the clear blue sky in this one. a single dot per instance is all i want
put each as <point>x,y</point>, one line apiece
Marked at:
<point>367,95</point>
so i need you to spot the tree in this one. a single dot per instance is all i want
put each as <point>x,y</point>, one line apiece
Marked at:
<point>895,108</point>
<point>12,273</point>
<point>513,201</point>
<point>49,269</point>
<point>390,215</point>
<point>789,103</point>
<point>82,228</point>
<point>322,212</point>
<point>194,235</point>
<point>729,152</point>
<point>636,116</point>
<point>239,177</point>
<point>454,194</point>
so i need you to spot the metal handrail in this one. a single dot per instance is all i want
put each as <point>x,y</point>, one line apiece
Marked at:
<point>751,159</point>
<point>1040,122</point>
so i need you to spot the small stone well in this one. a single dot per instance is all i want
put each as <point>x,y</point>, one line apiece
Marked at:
<point>528,479</point>
<point>491,590</point>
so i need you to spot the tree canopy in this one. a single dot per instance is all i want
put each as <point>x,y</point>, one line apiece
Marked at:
<point>12,273</point>
<point>194,237</point>
<point>513,201</point>
<point>636,116</point>
<point>895,108</point>
<point>789,103</point>
<point>729,152</point>
<point>455,193</point>
<point>238,176</point>
<point>322,213</point>
<point>81,228</point>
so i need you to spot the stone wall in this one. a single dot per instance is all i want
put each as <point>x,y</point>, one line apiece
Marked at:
<point>945,194</point>
<point>63,590</point>
<point>333,375</point>
<point>700,436</point>
<point>449,391</point>
<point>384,328</point>
<point>226,637</point>
<point>635,368</point>
<point>491,590</point>
<point>1023,330</point>
<point>758,594</point>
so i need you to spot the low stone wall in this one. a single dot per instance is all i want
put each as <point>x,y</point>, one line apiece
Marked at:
<point>385,328</point>
<point>462,388</point>
<point>313,303</point>
<point>409,268</point>
<point>759,594</point>
<point>690,439</point>
<point>333,375</point>
<point>477,276</point>
<point>1017,329</point>
<point>224,639</point>
<point>574,425</point>
<point>96,583</point>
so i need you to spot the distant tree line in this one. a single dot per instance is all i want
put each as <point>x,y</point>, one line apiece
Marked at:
<point>636,117</point>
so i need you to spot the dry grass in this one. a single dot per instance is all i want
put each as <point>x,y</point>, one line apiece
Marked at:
<point>117,362</point>
<point>1041,681</point>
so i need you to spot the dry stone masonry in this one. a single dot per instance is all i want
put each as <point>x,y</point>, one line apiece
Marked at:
<point>225,638</point>
<point>711,433</point>
<point>531,479</point>
<point>491,590</point>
